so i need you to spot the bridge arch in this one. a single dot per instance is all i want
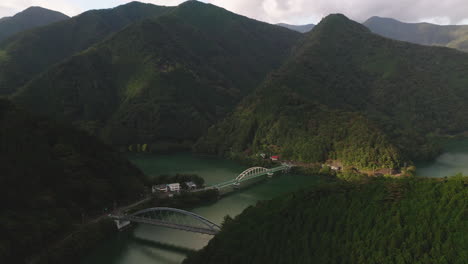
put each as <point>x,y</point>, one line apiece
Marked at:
<point>173,218</point>
<point>249,172</point>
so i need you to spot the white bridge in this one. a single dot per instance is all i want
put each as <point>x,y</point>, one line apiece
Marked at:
<point>249,174</point>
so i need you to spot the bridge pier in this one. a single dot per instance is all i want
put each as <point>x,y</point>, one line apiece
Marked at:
<point>121,224</point>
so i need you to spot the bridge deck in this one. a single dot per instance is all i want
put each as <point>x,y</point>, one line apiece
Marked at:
<point>156,222</point>
<point>170,225</point>
<point>232,182</point>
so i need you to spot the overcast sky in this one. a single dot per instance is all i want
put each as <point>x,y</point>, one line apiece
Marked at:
<point>288,11</point>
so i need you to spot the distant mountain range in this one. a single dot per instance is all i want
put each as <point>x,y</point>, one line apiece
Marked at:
<point>421,33</point>
<point>27,19</point>
<point>298,28</point>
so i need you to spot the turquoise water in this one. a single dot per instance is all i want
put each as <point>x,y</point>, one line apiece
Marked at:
<point>148,244</point>
<point>453,160</point>
<point>140,245</point>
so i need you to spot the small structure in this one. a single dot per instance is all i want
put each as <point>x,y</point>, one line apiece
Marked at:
<point>159,188</point>
<point>274,158</point>
<point>335,168</point>
<point>191,185</point>
<point>173,187</point>
<point>263,155</point>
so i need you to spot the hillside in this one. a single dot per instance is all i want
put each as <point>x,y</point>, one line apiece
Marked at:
<point>162,81</point>
<point>383,221</point>
<point>52,176</point>
<point>27,54</point>
<point>353,96</point>
<point>27,19</point>
<point>421,33</point>
<point>298,28</point>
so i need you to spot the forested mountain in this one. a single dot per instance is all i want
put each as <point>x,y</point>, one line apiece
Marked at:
<point>51,176</point>
<point>298,28</point>
<point>421,33</point>
<point>27,19</point>
<point>411,220</point>
<point>27,54</point>
<point>164,79</point>
<point>350,95</point>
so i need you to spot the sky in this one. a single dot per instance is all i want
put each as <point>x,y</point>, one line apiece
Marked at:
<point>288,11</point>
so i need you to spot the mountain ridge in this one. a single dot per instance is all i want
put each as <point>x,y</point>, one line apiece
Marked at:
<point>175,75</point>
<point>343,73</point>
<point>29,18</point>
<point>27,54</point>
<point>452,36</point>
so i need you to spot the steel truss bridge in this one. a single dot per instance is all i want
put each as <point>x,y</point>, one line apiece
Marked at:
<point>171,218</point>
<point>249,174</point>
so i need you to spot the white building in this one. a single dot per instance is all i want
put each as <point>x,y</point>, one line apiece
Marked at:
<point>174,187</point>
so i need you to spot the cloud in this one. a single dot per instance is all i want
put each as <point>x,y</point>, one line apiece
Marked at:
<point>156,2</point>
<point>10,7</point>
<point>6,11</point>
<point>289,11</point>
<point>293,11</point>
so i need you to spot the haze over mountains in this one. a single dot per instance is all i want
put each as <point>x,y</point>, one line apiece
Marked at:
<point>421,33</point>
<point>27,19</point>
<point>298,28</point>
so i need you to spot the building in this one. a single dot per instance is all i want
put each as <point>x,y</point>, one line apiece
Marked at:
<point>174,187</point>
<point>335,168</point>
<point>159,188</point>
<point>191,185</point>
<point>275,158</point>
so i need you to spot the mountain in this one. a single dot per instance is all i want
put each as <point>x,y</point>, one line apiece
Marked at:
<point>347,94</point>
<point>27,54</point>
<point>53,175</point>
<point>162,81</point>
<point>27,19</point>
<point>421,33</point>
<point>383,221</point>
<point>298,28</point>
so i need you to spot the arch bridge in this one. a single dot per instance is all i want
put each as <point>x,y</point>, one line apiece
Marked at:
<point>250,173</point>
<point>171,218</point>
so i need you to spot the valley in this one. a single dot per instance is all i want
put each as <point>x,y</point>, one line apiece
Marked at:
<point>327,142</point>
